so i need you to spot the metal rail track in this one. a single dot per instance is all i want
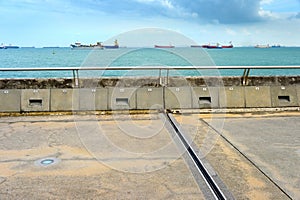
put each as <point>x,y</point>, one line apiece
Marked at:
<point>212,185</point>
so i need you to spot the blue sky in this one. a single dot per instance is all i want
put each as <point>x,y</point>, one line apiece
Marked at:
<point>62,22</point>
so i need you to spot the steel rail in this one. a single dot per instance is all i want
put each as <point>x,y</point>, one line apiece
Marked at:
<point>214,188</point>
<point>148,68</point>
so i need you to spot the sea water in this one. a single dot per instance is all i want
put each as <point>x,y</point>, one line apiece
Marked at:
<point>139,57</point>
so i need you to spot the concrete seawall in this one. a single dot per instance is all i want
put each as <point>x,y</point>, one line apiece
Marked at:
<point>140,93</point>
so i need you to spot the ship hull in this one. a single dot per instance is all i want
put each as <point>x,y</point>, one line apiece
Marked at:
<point>214,47</point>
<point>87,48</point>
<point>110,47</point>
<point>196,46</point>
<point>227,47</point>
<point>262,46</point>
<point>9,47</point>
<point>164,47</point>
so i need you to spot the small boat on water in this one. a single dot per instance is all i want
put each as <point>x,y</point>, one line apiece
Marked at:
<point>98,45</point>
<point>164,47</point>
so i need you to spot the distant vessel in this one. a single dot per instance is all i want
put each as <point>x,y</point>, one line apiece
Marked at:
<point>98,45</point>
<point>276,46</point>
<point>196,46</point>
<point>262,46</point>
<point>227,46</point>
<point>8,47</point>
<point>78,45</point>
<point>216,46</point>
<point>50,47</point>
<point>164,46</point>
<point>115,46</point>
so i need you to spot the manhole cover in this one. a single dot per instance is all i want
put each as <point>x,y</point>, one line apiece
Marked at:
<point>46,162</point>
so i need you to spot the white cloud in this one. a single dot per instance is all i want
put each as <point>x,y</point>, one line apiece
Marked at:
<point>263,2</point>
<point>229,31</point>
<point>266,13</point>
<point>246,32</point>
<point>167,3</point>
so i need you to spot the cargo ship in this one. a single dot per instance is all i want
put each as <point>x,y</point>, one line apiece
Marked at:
<point>227,46</point>
<point>115,46</point>
<point>98,45</point>
<point>216,46</point>
<point>196,46</point>
<point>8,47</point>
<point>164,47</point>
<point>262,46</point>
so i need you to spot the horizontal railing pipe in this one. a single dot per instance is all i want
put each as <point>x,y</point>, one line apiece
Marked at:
<point>149,68</point>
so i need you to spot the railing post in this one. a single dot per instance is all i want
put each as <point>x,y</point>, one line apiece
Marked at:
<point>76,78</point>
<point>160,78</point>
<point>167,81</point>
<point>245,76</point>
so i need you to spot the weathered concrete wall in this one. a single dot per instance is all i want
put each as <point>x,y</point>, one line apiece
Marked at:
<point>119,94</point>
<point>147,82</point>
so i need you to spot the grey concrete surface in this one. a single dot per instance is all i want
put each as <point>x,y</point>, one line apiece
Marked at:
<point>271,142</point>
<point>10,100</point>
<point>232,97</point>
<point>205,97</point>
<point>239,175</point>
<point>88,167</point>
<point>132,156</point>
<point>149,98</point>
<point>64,99</point>
<point>35,100</point>
<point>178,97</point>
<point>258,97</point>
<point>123,98</point>
<point>284,96</point>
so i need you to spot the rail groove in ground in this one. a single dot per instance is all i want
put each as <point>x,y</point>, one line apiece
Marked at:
<point>212,185</point>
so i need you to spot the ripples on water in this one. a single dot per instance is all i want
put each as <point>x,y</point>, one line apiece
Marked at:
<point>66,57</point>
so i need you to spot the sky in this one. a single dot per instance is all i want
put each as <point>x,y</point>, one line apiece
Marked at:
<point>62,22</point>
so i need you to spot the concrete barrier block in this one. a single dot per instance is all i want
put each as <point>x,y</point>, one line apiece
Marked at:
<point>205,97</point>
<point>10,100</point>
<point>232,97</point>
<point>258,97</point>
<point>93,99</point>
<point>121,98</point>
<point>298,94</point>
<point>149,98</point>
<point>35,100</point>
<point>64,100</point>
<point>178,98</point>
<point>284,96</point>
